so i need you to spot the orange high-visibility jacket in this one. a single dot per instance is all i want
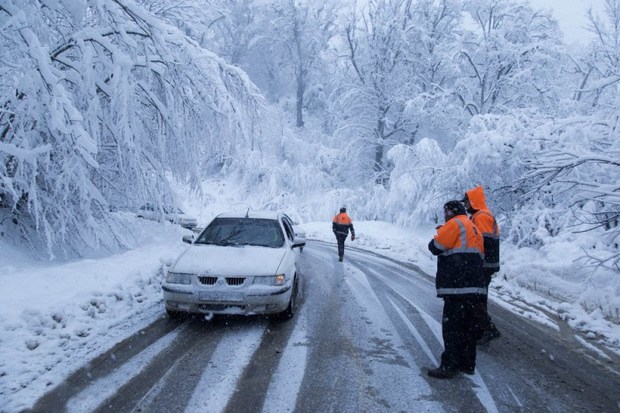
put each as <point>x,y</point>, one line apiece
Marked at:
<point>485,221</point>
<point>459,236</point>
<point>460,249</point>
<point>342,224</point>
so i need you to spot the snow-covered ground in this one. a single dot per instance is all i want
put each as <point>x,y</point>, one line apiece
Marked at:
<point>55,317</point>
<point>549,280</point>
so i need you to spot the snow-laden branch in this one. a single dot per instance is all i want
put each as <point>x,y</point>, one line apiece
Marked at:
<point>106,106</point>
<point>599,84</point>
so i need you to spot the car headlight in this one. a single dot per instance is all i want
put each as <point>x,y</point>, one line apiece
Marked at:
<point>277,279</point>
<point>178,278</point>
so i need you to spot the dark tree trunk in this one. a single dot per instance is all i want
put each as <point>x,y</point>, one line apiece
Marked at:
<point>300,103</point>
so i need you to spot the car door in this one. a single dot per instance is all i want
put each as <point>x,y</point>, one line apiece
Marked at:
<point>291,255</point>
<point>298,234</point>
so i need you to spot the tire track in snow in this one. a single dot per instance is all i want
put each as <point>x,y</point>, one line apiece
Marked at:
<point>102,389</point>
<point>217,384</point>
<point>414,331</point>
<point>395,366</point>
<point>173,389</point>
<point>480,389</point>
<point>286,382</point>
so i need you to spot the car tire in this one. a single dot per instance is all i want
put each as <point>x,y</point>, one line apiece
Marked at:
<point>292,303</point>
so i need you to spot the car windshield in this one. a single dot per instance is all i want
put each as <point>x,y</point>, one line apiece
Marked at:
<point>243,231</point>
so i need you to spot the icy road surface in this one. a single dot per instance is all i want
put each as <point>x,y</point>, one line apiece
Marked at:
<point>364,333</point>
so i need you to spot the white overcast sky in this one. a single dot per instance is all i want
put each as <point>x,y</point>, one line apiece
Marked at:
<point>571,16</point>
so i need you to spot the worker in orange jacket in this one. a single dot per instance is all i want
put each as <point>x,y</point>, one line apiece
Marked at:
<point>460,282</point>
<point>341,226</point>
<point>484,220</point>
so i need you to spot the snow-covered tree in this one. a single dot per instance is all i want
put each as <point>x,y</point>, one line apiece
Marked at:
<point>301,31</point>
<point>434,41</point>
<point>101,100</point>
<point>375,85</point>
<point>510,59</point>
<point>228,27</point>
<point>492,154</point>
<point>580,158</point>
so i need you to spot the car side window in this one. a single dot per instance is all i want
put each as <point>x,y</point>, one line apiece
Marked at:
<point>288,228</point>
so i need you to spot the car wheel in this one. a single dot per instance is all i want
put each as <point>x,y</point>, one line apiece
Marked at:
<point>301,249</point>
<point>290,310</point>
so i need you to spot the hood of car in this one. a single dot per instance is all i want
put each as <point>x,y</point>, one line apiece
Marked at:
<point>229,261</point>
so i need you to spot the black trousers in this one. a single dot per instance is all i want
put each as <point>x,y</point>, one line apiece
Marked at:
<point>461,328</point>
<point>340,239</point>
<point>487,324</point>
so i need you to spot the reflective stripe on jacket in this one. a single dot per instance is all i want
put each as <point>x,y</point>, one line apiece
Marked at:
<point>485,221</point>
<point>458,235</point>
<point>460,249</point>
<point>342,224</point>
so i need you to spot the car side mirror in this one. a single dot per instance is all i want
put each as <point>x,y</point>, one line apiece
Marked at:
<point>298,243</point>
<point>188,239</point>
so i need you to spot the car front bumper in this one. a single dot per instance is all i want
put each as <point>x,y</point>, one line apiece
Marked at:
<point>263,300</point>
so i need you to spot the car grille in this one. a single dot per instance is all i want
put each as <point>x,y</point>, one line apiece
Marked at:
<point>218,307</point>
<point>207,280</point>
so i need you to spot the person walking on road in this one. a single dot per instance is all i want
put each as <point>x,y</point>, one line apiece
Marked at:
<point>484,220</point>
<point>460,282</point>
<point>341,226</point>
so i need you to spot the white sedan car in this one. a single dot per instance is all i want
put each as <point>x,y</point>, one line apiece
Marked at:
<point>239,264</point>
<point>168,213</point>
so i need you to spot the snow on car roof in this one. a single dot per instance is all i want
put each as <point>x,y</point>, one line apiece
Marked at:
<point>250,214</point>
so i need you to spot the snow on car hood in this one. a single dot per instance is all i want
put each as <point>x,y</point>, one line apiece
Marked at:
<point>233,261</point>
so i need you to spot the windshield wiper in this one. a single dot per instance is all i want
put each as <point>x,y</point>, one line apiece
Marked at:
<point>227,243</point>
<point>205,242</point>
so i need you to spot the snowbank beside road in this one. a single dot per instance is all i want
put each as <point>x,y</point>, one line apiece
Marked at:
<point>54,317</point>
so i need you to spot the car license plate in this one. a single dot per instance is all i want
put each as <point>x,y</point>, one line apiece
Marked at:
<point>220,296</point>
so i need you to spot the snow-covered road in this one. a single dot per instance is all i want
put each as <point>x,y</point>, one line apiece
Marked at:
<point>364,333</point>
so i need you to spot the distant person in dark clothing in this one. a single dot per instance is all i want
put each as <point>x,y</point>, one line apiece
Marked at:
<point>341,226</point>
<point>460,282</point>
<point>484,220</point>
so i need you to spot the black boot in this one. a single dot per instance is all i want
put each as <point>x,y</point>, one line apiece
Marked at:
<point>490,334</point>
<point>442,373</point>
